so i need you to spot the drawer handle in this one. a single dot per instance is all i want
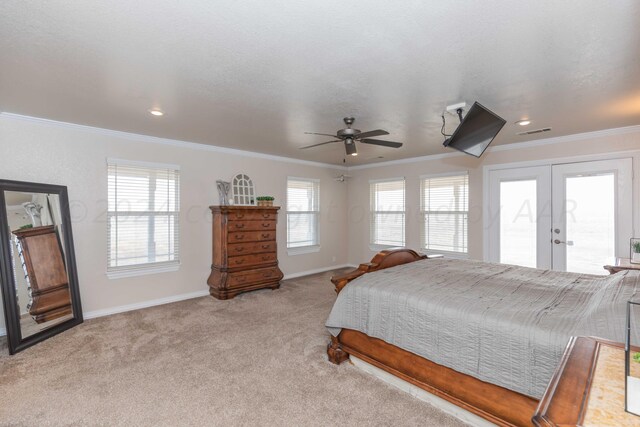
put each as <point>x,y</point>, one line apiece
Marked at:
<point>241,279</point>
<point>240,225</point>
<point>239,261</point>
<point>265,235</point>
<point>265,216</point>
<point>239,236</point>
<point>240,249</point>
<point>239,216</point>
<point>267,275</point>
<point>266,257</point>
<point>266,224</point>
<point>265,246</point>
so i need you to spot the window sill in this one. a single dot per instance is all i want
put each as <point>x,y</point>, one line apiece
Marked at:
<point>446,254</point>
<point>303,250</point>
<point>378,248</point>
<point>142,270</point>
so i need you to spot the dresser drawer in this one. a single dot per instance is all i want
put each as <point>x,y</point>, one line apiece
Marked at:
<point>259,275</point>
<point>251,225</point>
<point>251,216</point>
<point>235,249</point>
<point>251,236</point>
<point>250,260</point>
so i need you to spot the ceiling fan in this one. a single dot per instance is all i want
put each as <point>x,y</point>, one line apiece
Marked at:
<point>349,136</point>
<point>341,178</point>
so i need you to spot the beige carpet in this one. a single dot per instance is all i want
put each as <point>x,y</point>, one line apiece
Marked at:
<point>258,359</point>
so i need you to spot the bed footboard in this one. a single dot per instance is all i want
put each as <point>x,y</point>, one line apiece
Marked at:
<point>383,259</point>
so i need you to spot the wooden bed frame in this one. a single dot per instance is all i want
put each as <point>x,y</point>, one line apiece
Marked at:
<point>494,403</point>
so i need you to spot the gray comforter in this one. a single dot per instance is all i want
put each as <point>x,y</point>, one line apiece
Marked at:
<point>502,324</point>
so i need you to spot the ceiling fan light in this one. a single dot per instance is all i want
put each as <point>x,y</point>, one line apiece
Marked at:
<point>350,147</point>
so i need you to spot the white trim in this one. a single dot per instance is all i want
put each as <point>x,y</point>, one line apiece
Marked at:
<point>300,250</point>
<point>182,297</point>
<point>418,393</point>
<point>165,141</point>
<point>543,162</point>
<point>140,164</point>
<point>299,178</point>
<point>445,254</point>
<point>144,304</point>
<point>443,174</point>
<point>513,146</point>
<point>375,247</point>
<point>376,181</point>
<point>316,271</point>
<point>143,270</point>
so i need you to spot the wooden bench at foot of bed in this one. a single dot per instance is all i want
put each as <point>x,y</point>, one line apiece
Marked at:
<point>494,403</point>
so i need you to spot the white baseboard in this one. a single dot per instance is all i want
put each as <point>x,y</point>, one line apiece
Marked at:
<point>144,304</point>
<point>315,271</point>
<point>417,392</point>
<point>160,301</point>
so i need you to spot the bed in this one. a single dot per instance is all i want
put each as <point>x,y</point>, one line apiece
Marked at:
<point>484,336</point>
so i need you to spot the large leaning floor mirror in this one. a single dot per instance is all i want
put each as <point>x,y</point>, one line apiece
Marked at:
<point>38,270</point>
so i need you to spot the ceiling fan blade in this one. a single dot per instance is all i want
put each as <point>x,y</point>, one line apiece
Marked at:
<point>322,143</point>
<point>377,132</point>
<point>323,134</point>
<point>382,143</point>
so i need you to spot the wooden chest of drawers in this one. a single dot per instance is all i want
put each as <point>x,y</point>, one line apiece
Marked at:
<point>245,255</point>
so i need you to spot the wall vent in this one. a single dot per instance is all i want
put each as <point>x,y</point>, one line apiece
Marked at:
<point>531,132</point>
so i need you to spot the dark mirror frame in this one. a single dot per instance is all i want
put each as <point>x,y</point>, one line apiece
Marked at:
<point>11,312</point>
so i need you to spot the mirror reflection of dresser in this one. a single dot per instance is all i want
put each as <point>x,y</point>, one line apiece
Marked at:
<point>38,273</point>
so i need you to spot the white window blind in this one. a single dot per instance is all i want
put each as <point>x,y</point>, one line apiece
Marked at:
<point>303,210</point>
<point>387,212</point>
<point>142,216</point>
<point>445,212</point>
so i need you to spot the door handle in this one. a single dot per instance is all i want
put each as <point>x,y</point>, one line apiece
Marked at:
<point>568,242</point>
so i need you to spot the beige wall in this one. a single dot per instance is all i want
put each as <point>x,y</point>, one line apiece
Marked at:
<point>576,148</point>
<point>77,158</point>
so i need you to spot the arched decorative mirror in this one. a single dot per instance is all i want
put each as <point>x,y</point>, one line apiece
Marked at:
<point>243,191</point>
<point>37,263</point>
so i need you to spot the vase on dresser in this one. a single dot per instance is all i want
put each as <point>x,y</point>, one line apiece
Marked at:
<point>245,253</point>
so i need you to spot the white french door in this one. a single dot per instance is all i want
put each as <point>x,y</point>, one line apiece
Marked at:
<point>520,216</point>
<point>592,214</point>
<point>568,217</point>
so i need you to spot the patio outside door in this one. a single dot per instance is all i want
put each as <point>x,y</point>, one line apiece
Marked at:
<point>569,217</point>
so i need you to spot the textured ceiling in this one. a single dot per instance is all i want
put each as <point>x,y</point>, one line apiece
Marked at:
<point>255,75</point>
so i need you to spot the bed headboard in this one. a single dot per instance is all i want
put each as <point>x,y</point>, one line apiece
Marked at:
<point>383,259</point>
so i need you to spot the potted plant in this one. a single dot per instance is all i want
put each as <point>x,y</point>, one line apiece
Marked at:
<point>635,251</point>
<point>265,200</point>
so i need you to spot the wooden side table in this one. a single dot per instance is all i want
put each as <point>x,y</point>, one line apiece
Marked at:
<point>587,388</point>
<point>621,264</point>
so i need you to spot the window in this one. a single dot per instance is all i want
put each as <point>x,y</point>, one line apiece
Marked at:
<point>387,212</point>
<point>445,212</point>
<point>303,210</point>
<point>142,218</point>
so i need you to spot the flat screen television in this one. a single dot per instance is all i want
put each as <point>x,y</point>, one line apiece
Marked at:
<point>476,131</point>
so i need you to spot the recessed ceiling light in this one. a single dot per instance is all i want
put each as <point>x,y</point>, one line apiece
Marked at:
<point>524,122</point>
<point>156,112</point>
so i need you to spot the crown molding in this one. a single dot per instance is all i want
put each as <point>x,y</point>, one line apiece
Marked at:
<point>234,151</point>
<point>513,146</point>
<point>166,141</point>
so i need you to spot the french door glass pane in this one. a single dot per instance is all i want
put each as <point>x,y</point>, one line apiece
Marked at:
<point>518,228</point>
<point>590,215</point>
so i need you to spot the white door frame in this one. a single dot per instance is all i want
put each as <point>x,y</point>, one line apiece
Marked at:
<point>486,219</point>
<point>623,170</point>
<point>542,175</point>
